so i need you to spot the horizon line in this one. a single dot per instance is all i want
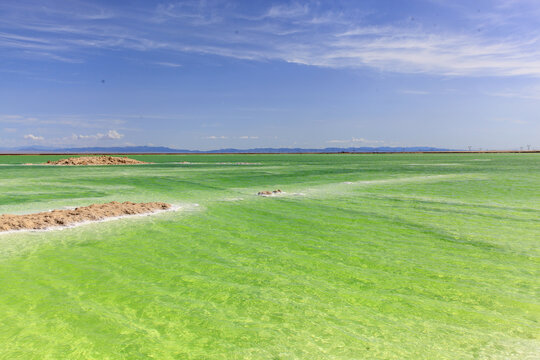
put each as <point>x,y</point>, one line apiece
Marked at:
<point>285,153</point>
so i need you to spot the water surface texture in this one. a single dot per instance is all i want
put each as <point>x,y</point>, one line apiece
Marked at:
<point>419,256</point>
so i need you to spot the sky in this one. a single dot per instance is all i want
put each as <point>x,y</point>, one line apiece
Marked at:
<point>211,74</point>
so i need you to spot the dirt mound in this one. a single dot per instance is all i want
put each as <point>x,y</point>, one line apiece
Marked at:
<point>269,193</point>
<point>96,160</point>
<point>237,163</point>
<point>54,218</point>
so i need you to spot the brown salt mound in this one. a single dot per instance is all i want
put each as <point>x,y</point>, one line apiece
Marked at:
<point>94,212</point>
<point>96,160</point>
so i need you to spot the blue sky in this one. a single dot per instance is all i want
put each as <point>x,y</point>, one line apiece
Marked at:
<point>208,74</point>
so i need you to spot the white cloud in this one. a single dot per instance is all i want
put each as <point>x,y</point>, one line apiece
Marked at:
<point>110,135</point>
<point>113,134</point>
<point>213,137</point>
<point>33,137</point>
<point>248,137</point>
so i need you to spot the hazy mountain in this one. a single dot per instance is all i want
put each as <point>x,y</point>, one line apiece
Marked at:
<point>162,149</point>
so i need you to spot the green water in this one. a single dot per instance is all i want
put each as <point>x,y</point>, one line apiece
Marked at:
<point>363,257</point>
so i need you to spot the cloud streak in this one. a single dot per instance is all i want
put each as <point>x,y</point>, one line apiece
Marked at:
<point>299,32</point>
<point>356,141</point>
<point>168,64</point>
<point>527,92</point>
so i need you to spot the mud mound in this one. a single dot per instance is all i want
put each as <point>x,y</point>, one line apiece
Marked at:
<point>55,218</point>
<point>237,163</point>
<point>269,193</point>
<point>96,160</point>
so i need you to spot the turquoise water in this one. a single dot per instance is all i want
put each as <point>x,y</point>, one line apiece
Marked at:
<point>364,257</point>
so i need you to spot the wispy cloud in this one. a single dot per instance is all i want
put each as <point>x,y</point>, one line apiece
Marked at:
<point>297,32</point>
<point>287,11</point>
<point>511,121</point>
<point>17,119</point>
<point>356,141</point>
<point>74,120</point>
<point>413,92</point>
<point>223,137</point>
<point>193,12</point>
<point>526,92</point>
<point>168,64</point>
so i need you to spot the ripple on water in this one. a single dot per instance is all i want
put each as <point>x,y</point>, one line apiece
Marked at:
<point>405,262</point>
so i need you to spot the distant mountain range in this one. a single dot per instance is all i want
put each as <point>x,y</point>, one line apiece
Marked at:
<point>162,149</point>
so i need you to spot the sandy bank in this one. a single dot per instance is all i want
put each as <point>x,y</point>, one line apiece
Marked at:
<point>96,160</point>
<point>94,212</point>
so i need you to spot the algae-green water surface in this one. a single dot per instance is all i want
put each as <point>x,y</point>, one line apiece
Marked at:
<point>409,256</point>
